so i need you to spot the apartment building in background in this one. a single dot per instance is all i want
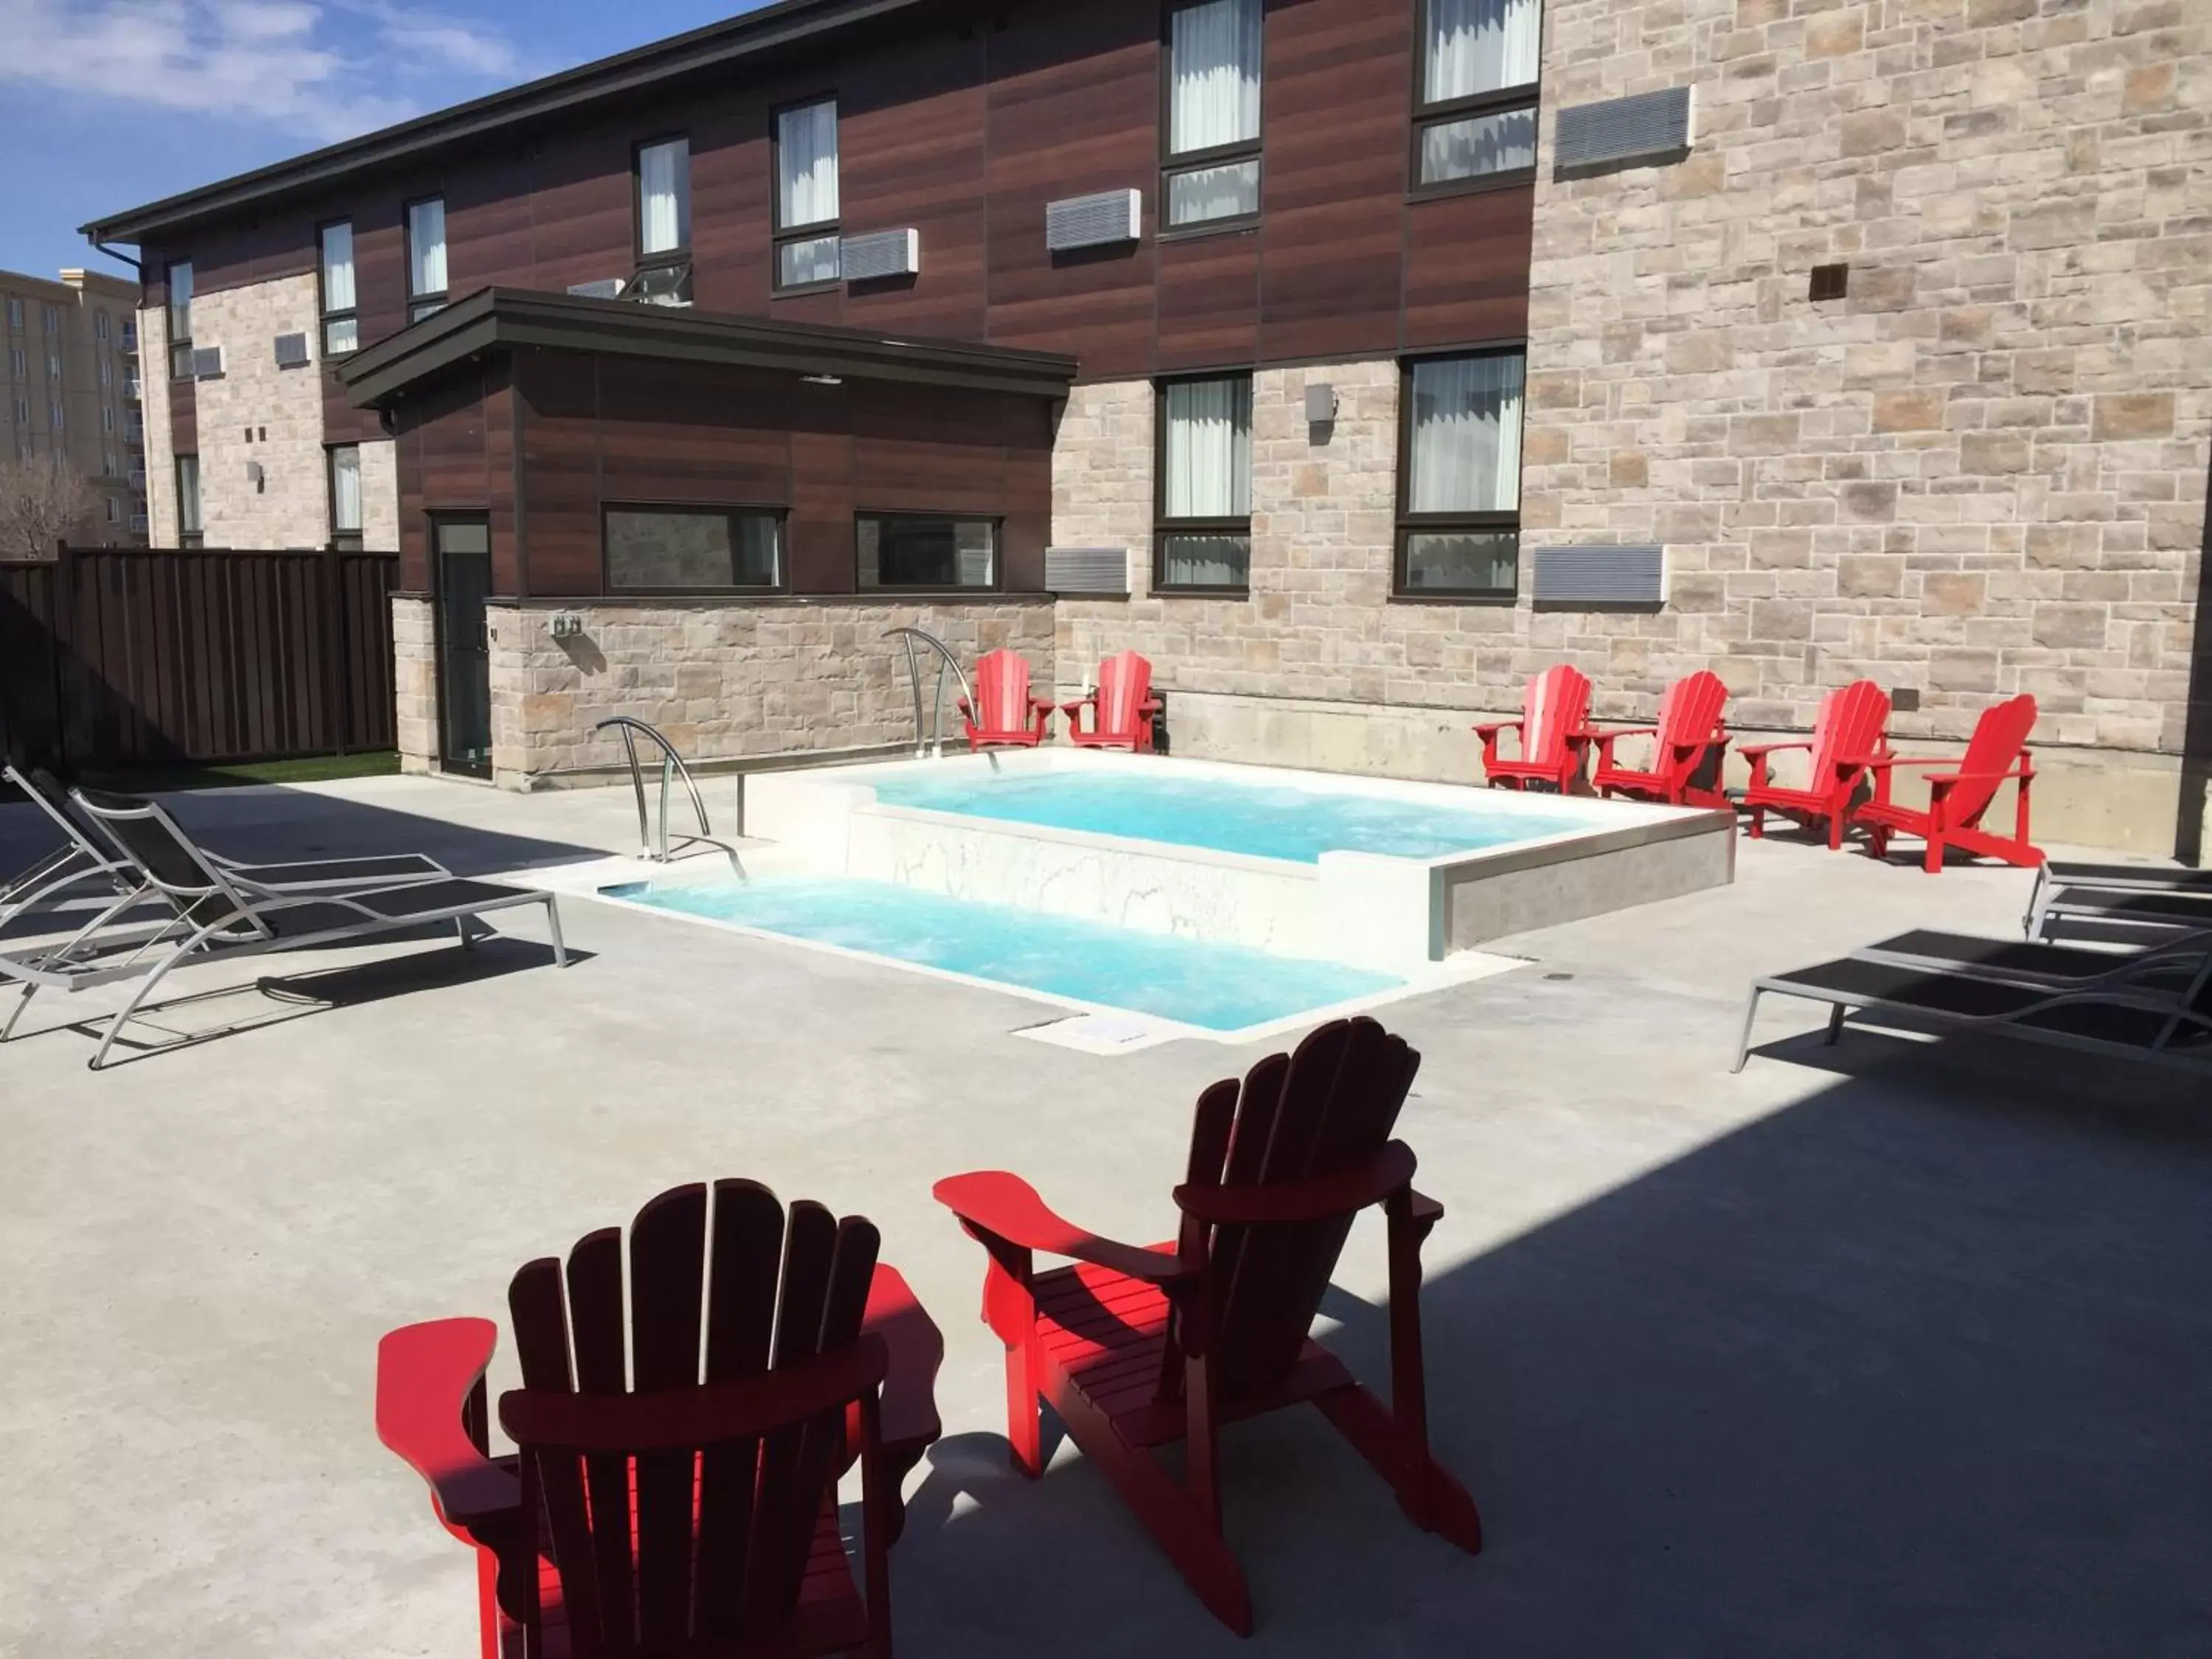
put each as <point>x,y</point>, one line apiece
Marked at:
<point>68,390</point>
<point>1351,359</point>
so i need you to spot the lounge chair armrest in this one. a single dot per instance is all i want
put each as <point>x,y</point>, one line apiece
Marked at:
<point>1949,778</point>
<point>1008,1207</point>
<point>1490,729</point>
<point>1340,1192</point>
<point>916,1349</point>
<point>1078,704</point>
<point>427,1377</point>
<point>699,1414</point>
<point>1753,751</point>
<point>1605,733</point>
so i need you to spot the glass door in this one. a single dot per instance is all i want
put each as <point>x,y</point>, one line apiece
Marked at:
<point>461,551</point>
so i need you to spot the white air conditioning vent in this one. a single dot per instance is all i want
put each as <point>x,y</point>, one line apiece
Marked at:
<point>607,287</point>
<point>880,254</point>
<point>291,351</point>
<point>1632,575</point>
<point>1087,570</point>
<point>1100,220</point>
<point>207,363</point>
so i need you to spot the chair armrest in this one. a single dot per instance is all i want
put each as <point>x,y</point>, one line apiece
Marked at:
<point>426,1377</point>
<point>1150,706</point>
<point>1081,702</point>
<point>1949,778</point>
<point>916,1349</point>
<point>1008,1207</point>
<point>1318,1198</point>
<point>1751,750</point>
<point>1491,728</point>
<point>961,703</point>
<point>1904,760</point>
<point>1045,703</point>
<point>1607,733</point>
<point>1426,1210</point>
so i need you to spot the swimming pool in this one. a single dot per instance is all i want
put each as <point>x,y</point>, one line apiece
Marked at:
<point>1260,818</point>
<point>1216,987</point>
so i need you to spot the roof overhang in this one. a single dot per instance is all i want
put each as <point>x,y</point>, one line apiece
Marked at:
<point>504,319</point>
<point>564,94</point>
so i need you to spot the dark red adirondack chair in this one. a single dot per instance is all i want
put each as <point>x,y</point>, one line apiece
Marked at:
<point>1687,742</point>
<point>1554,710</point>
<point>1005,714</point>
<point>1140,1347</point>
<point>672,1513</point>
<point>1848,737</point>
<point>1958,795</point>
<point>1121,708</point>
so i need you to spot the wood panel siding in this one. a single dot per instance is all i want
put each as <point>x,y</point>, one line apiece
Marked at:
<point>1466,267</point>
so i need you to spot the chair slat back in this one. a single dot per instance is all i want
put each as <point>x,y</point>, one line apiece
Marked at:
<point>1125,680</point>
<point>152,842</point>
<point>1555,706</point>
<point>1333,1100</point>
<point>1999,736</point>
<point>1689,717</point>
<point>671,1550</point>
<point>43,791</point>
<point>1002,690</point>
<point>1849,727</point>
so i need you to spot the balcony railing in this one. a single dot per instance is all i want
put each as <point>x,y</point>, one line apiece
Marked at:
<point>130,388</point>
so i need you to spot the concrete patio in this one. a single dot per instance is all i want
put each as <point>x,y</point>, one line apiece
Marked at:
<point>1890,1348</point>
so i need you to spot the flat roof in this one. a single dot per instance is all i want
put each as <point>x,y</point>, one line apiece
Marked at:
<point>494,319</point>
<point>781,24</point>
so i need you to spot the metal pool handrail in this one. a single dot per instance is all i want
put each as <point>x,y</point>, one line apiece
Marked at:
<point>656,850</point>
<point>934,742</point>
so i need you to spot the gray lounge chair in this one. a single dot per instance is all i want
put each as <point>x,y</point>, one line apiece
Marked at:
<point>2129,907</point>
<point>2059,967</point>
<point>2084,879</point>
<point>222,914</point>
<point>2170,1022</point>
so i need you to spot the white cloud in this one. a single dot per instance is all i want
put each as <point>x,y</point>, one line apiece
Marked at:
<point>324,71</point>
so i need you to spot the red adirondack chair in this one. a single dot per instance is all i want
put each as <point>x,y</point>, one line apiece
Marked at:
<point>1007,715</point>
<point>1686,742</point>
<point>669,1514</point>
<point>1140,1347</point>
<point>1958,797</point>
<point>1848,737</point>
<point>1121,708</point>
<point>1554,710</point>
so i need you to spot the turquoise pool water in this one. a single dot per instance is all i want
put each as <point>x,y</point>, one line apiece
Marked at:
<point>1219,988</point>
<point>1264,819</point>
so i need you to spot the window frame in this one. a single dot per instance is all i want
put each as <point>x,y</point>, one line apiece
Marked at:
<point>1410,523</point>
<point>1175,163</point>
<point>1163,527</point>
<point>996,521</point>
<point>776,512</point>
<point>426,304</point>
<point>1443,113</point>
<point>325,315</point>
<point>16,312</point>
<point>779,233</point>
<point>342,541</point>
<point>189,538</point>
<point>180,345</point>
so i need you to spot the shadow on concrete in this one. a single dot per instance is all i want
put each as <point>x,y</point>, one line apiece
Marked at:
<point>1916,1366</point>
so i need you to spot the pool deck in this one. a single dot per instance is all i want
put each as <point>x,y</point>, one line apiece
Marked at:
<point>1890,1348</point>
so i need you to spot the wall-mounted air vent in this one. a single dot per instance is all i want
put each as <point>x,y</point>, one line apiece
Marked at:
<point>607,287</point>
<point>1100,220</point>
<point>1634,574</point>
<point>291,351</point>
<point>1103,570</point>
<point>1649,126</point>
<point>880,254</point>
<point>207,363</point>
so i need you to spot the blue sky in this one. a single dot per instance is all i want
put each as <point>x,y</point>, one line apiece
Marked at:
<point>117,102</point>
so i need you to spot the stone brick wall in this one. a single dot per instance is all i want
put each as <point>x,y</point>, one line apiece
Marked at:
<point>414,685</point>
<point>1102,473</point>
<point>1983,472</point>
<point>728,681</point>
<point>380,498</point>
<point>154,407</point>
<point>291,506</point>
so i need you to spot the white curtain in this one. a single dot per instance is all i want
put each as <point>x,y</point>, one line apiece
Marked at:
<point>806,164</point>
<point>1209,449</point>
<point>1479,144</point>
<point>1216,57</point>
<point>345,490</point>
<point>426,248</point>
<point>1480,46</point>
<point>664,194</point>
<point>337,268</point>
<point>1467,434</point>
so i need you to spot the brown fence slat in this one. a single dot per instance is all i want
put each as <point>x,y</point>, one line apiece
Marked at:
<point>115,657</point>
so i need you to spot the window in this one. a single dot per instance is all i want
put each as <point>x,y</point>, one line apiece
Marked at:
<point>1459,516</point>
<point>53,365</point>
<point>107,371</point>
<point>188,501</point>
<point>99,326</point>
<point>114,508</point>
<point>107,417</point>
<point>807,195</point>
<point>15,363</point>
<point>341,325</point>
<point>54,414</point>
<point>345,497</point>
<point>180,321</point>
<point>927,550</point>
<point>14,312</point>
<point>22,411</point>
<point>1212,172</point>
<point>1205,471</point>
<point>50,319</point>
<point>688,549</point>
<point>426,257</point>
<point>664,224</point>
<point>107,469</point>
<point>1475,122</point>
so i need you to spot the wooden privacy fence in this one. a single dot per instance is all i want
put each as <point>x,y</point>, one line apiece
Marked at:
<point>118,657</point>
